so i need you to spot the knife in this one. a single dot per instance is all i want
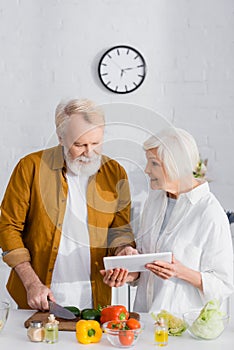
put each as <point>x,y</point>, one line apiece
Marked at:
<point>60,311</point>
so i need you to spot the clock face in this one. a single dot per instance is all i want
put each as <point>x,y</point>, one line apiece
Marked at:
<point>122,69</point>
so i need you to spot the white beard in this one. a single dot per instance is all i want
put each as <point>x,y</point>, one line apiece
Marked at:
<point>83,165</point>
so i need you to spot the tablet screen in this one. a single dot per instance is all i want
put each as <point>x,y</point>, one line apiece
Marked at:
<point>134,263</point>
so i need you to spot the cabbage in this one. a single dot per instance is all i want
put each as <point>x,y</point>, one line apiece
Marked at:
<point>176,326</point>
<point>209,323</point>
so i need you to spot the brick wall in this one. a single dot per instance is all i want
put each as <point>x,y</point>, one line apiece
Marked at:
<point>50,51</point>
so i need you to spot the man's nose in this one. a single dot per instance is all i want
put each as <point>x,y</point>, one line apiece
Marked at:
<point>88,150</point>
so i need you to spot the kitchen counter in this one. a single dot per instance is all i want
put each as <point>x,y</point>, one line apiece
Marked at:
<point>14,335</point>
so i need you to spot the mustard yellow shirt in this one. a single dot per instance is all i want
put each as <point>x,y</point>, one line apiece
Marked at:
<point>32,214</point>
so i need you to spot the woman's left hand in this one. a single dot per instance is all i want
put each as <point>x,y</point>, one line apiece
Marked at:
<point>166,270</point>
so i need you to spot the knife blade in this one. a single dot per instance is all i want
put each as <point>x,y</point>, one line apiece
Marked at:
<point>60,311</point>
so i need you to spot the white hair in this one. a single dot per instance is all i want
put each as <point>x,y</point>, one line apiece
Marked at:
<point>87,109</point>
<point>177,150</point>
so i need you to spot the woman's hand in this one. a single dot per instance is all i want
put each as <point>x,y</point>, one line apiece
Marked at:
<point>176,269</point>
<point>164,269</point>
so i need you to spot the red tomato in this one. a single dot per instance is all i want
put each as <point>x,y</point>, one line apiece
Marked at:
<point>115,325</point>
<point>126,337</point>
<point>132,323</point>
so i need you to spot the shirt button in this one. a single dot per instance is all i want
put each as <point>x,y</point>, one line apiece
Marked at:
<point>59,225</point>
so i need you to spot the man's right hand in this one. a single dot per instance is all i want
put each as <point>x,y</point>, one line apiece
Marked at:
<point>37,293</point>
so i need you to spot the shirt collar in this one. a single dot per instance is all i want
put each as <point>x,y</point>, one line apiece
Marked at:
<point>58,160</point>
<point>197,193</point>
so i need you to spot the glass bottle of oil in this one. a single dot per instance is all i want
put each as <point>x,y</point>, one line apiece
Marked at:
<point>161,332</point>
<point>51,330</point>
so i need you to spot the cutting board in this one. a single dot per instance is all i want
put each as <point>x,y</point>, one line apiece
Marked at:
<point>64,325</point>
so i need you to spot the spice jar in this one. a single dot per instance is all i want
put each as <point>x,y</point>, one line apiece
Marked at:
<point>51,330</point>
<point>161,332</point>
<point>35,331</point>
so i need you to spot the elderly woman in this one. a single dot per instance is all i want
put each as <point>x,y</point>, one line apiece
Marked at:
<point>181,215</point>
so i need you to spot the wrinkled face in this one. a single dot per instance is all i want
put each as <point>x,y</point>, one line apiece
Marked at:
<point>155,170</point>
<point>82,143</point>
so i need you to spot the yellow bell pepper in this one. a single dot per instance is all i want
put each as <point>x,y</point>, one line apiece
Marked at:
<point>88,331</point>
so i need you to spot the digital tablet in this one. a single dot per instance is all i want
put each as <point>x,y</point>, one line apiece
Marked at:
<point>134,263</point>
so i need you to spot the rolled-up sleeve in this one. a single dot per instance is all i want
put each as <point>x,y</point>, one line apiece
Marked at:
<point>16,256</point>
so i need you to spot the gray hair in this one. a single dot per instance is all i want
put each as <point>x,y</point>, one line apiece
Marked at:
<point>177,150</point>
<point>87,109</point>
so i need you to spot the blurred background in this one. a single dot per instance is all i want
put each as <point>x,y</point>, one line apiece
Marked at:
<point>50,51</point>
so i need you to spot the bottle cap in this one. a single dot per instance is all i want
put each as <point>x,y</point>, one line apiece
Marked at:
<point>161,321</point>
<point>36,323</point>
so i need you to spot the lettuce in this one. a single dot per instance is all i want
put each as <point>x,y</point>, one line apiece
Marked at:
<point>176,326</point>
<point>209,323</point>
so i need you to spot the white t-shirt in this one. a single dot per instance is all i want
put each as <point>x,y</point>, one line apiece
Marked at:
<point>71,276</point>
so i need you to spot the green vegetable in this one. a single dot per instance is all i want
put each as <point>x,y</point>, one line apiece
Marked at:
<point>209,324</point>
<point>73,309</point>
<point>176,325</point>
<point>90,314</point>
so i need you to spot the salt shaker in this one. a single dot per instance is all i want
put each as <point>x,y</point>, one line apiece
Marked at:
<point>36,331</point>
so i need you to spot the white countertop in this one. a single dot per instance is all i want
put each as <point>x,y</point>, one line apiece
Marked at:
<point>14,336</point>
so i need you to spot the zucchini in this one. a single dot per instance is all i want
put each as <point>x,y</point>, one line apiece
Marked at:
<point>90,314</point>
<point>73,309</point>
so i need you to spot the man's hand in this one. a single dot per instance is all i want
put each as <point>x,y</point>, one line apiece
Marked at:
<point>126,250</point>
<point>37,293</point>
<point>118,277</point>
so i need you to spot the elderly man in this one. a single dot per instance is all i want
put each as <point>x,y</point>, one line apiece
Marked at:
<point>64,209</point>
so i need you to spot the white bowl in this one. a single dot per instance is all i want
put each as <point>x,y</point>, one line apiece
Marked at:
<point>205,330</point>
<point>4,311</point>
<point>122,338</point>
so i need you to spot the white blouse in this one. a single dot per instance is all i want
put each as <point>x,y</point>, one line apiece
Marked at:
<point>198,234</point>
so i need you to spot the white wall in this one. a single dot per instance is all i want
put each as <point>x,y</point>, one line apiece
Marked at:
<point>50,51</point>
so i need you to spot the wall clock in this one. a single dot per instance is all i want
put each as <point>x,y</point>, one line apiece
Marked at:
<point>122,69</point>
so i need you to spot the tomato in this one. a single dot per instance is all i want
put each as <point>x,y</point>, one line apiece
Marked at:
<point>115,325</point>
<point>132,323</point>
<point>126,337</point>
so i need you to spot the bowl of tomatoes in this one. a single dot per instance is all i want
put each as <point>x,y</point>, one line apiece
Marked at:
<point>123,333</point>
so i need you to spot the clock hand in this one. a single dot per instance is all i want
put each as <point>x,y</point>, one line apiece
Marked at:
<point>122,73</point>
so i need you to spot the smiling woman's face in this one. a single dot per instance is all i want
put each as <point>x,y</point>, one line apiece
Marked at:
<point>155,170</point>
